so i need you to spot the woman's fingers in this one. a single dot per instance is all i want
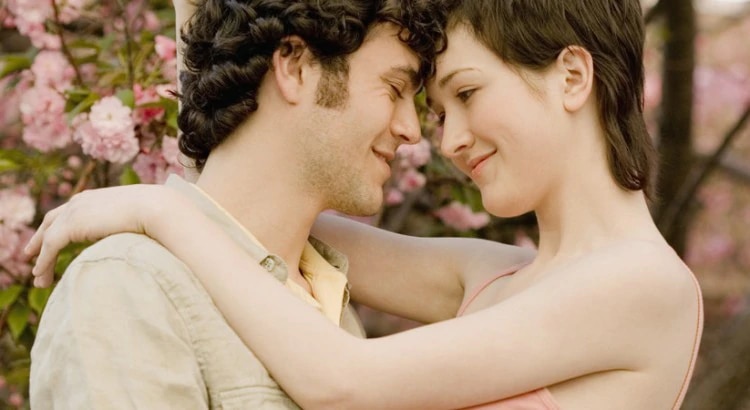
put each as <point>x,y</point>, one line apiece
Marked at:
<point>52,242</point>
<point>35,243</point>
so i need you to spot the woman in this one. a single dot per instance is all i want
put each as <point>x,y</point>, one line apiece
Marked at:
<point>541,107</point>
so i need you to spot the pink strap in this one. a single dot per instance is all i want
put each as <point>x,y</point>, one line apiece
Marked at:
<point>696,342</point>
<point>513,269</point>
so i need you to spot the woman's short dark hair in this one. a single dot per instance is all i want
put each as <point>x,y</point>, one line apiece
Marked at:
<point>531,34</point>
<point>229,44</point>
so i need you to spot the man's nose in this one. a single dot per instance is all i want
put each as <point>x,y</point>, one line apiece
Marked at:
<point>405,125</point>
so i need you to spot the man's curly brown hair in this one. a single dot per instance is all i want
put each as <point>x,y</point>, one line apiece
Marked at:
<point>228,46</point>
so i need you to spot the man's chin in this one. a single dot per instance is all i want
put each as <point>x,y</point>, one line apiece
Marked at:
<point>362,208</point>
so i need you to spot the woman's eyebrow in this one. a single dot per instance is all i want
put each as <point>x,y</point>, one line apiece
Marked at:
<point>443,81</point>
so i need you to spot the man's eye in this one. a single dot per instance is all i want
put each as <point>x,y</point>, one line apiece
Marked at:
<point>465,95</point>
<point>396,91</point>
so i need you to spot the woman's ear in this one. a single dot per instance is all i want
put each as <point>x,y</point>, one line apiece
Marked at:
<point>291,62</point>
<point>577,66</point>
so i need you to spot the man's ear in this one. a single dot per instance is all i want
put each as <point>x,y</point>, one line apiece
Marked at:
<point>577,66</point>
<point>291,68</point>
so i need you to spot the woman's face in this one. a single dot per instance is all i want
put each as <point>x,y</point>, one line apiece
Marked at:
<point>501,125</point>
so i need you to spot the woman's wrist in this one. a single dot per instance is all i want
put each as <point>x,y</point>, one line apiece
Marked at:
<point>166,209</point>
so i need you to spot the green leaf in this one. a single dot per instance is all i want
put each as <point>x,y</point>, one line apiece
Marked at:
<point>18,376</point>
<point>105,43</point>
<point>129,177</point>
<point>474,199</point>
<point>172,119</point>
<point>112,77</point>
<point>18,319</point>
<point>127,97</point>
<point>8,165</point>
<point>69,253</point>
<point>9,295</point>
<point>12,63</point>
<point>38,298</point>
<point>82,106</point>
<point>82,43</point>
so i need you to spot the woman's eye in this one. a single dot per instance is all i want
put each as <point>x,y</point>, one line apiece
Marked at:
<point>464,95</point>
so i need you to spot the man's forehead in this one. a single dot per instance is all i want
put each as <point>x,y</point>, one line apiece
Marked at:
<point>384,46</point>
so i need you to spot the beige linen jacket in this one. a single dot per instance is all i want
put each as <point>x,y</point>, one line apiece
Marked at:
<point>130,327</point>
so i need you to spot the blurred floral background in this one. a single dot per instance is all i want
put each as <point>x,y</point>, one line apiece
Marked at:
<point>86,101</point>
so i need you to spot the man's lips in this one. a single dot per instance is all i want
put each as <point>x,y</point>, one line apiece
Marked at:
<point>386,155</point>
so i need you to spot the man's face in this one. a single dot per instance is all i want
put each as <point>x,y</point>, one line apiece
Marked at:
<point>347,148</point>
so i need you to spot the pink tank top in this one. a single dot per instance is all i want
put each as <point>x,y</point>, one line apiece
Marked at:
<point>541,399</point>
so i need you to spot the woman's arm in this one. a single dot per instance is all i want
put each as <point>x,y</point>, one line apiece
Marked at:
<point>576,321</point>
<point>423,279</point>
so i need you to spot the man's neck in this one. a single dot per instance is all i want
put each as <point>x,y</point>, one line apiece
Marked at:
<point>266,203</point>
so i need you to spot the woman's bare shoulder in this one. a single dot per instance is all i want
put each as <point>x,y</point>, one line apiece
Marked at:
<point>648,276</point>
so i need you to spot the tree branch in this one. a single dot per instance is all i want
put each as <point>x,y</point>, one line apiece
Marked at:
<point>85,176</point>
<point>128,44</point>
<point>699,175</point>
<point>64,47</point>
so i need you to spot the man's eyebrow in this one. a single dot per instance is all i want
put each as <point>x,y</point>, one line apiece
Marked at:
<point>443,81</point>
<point>414,79</point>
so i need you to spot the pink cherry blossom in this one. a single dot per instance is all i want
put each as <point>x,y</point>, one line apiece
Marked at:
<point>64,189</point>
<point>43,115</point>
<point>110,117</point>
<point>51,69</point>
<point>169,70</point>
<point>12,258</point>
<point>411,180</point>
<point>170,150</point>
<point>734,305</point>
<point>523,240</point>
<point>139,16</point>
<point>415,155</point>
<point>32,11</point>
<point>6,280</point>
<point>15,399</point>
<point>165,48</point>
<point>107,132</point>
<point>151,21</point>
<point>71,9</point>
<point>154,168</point>
<point>652,91</point>
<point>10,114</point>
<point>29,19</point>
<point>9,239</point>
<point>16,207</point>
<point>75,162</point>
<point>394,197</point>
<point>720,92</point>
<point>460,217</point>
<point>144,115</point>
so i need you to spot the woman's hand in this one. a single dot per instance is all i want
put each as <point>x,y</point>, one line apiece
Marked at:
<point>94,214</point>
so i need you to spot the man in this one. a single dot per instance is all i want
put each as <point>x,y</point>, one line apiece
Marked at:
<point>288,108</point>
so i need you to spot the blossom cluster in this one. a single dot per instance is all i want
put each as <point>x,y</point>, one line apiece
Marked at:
<point>17,210</point>
<point>90,103</point>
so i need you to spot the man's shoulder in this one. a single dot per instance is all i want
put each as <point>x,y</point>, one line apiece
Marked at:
<point>125,262</point>
<point>133,248</point>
